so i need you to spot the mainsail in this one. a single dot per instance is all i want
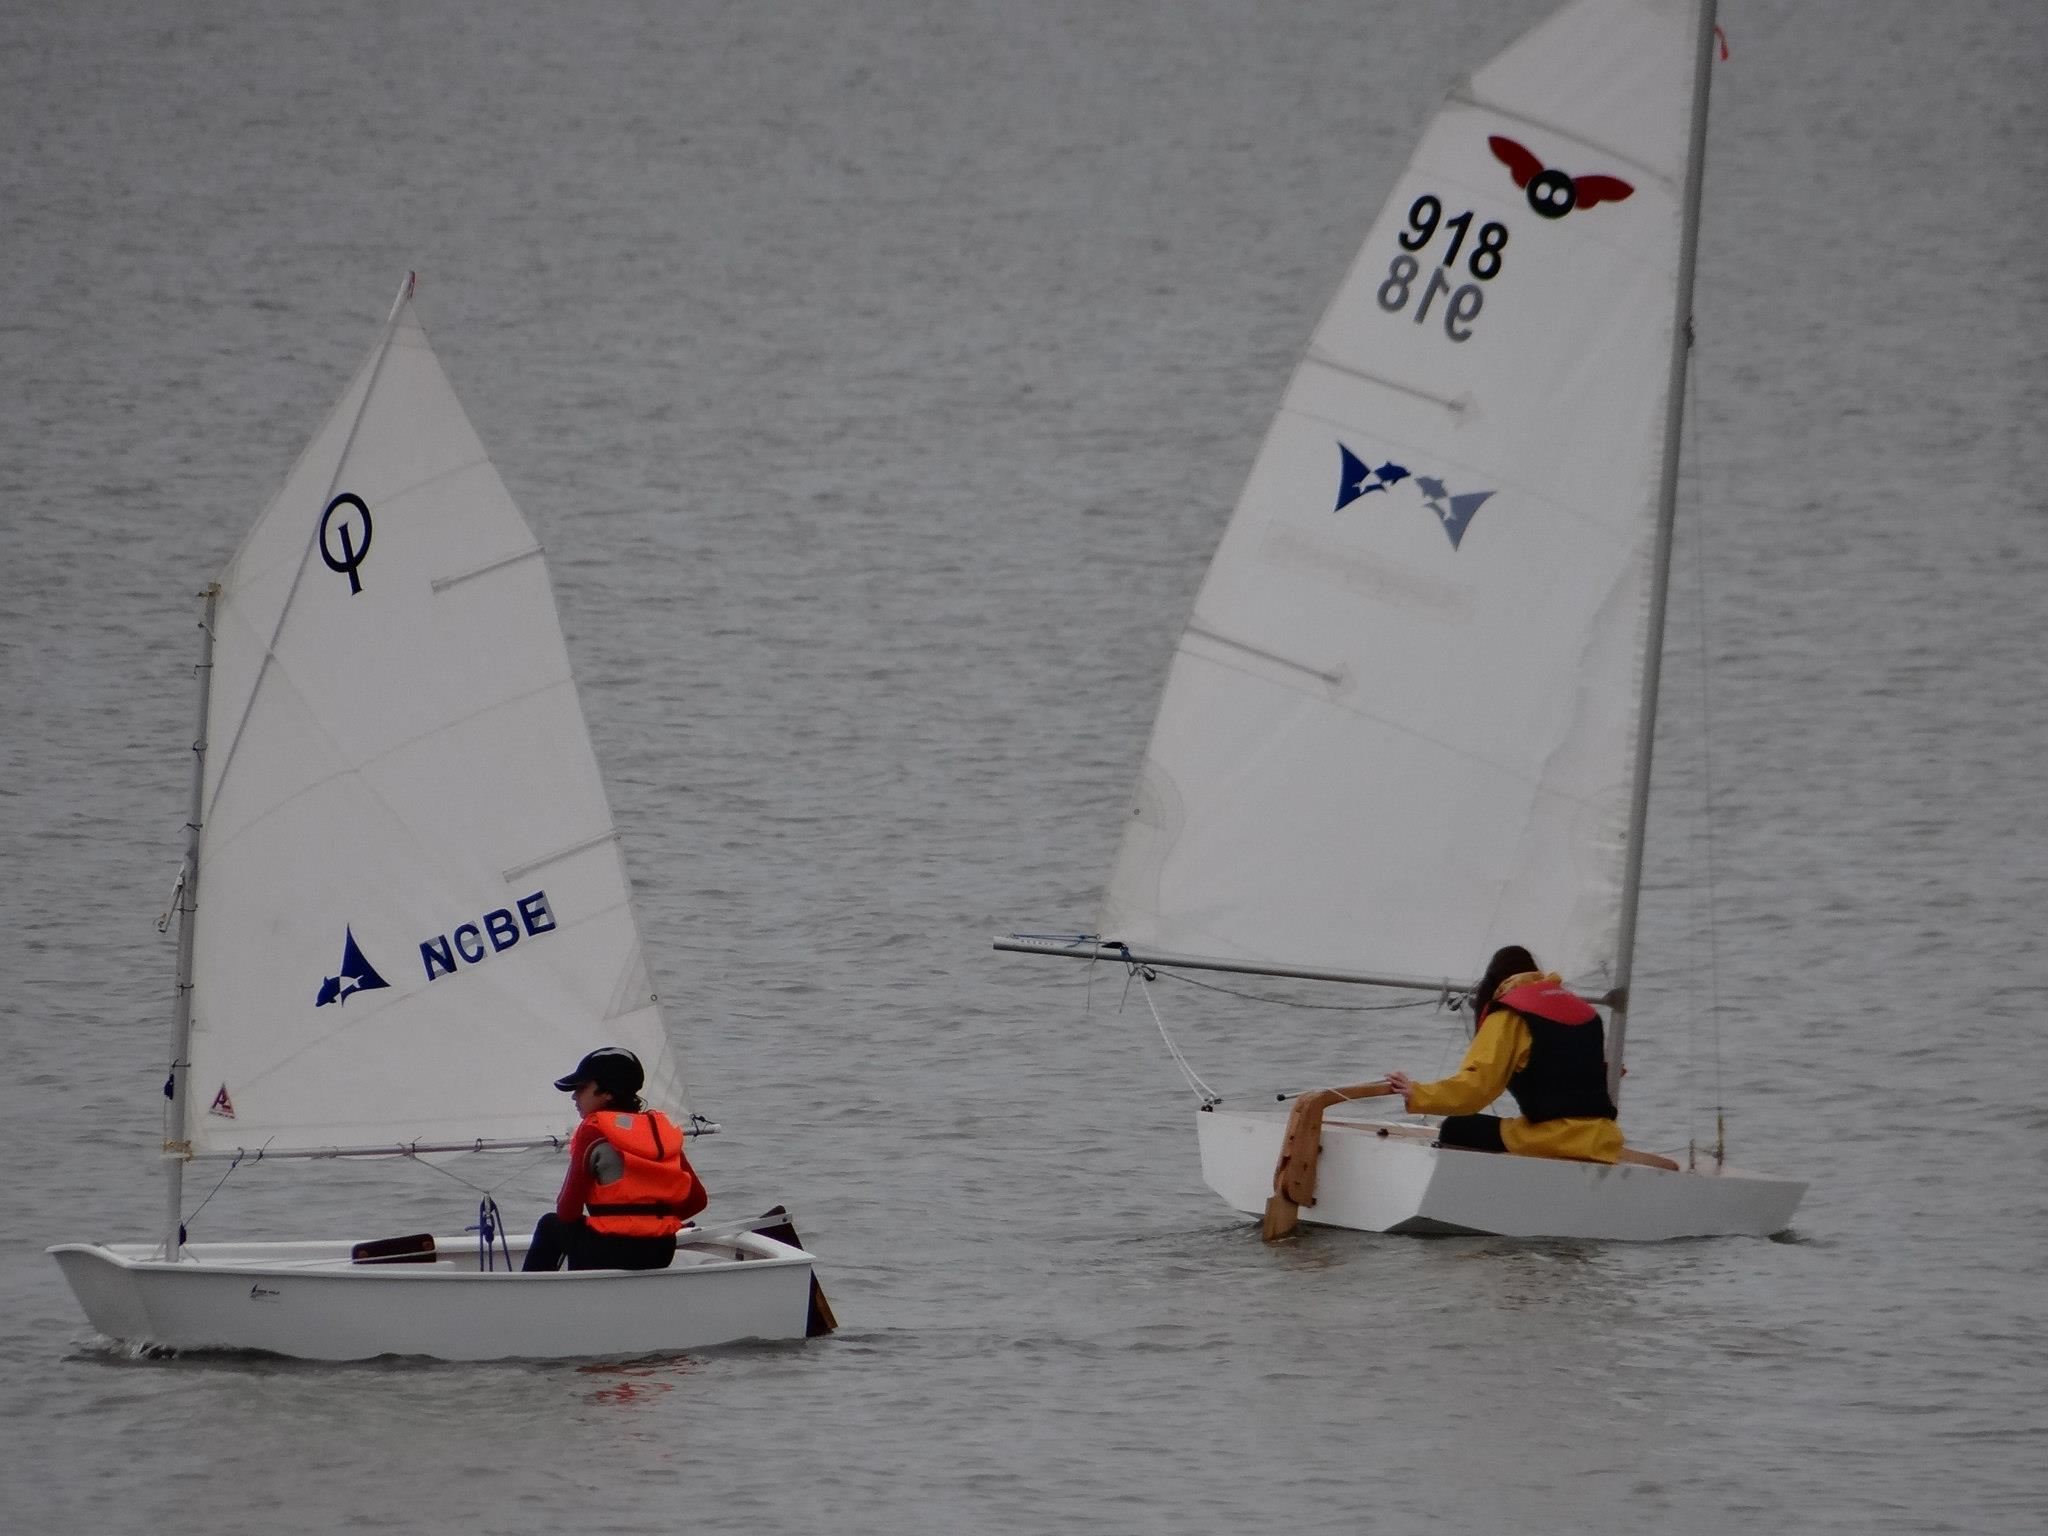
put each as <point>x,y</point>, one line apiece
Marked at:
<point>1401,727</point>
<point>412,911</point>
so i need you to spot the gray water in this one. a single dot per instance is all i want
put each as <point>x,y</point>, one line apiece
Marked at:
<point>879,375</point>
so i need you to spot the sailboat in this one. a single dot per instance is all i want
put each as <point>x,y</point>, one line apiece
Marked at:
<point>1410,718</point>
<point>403,913</point>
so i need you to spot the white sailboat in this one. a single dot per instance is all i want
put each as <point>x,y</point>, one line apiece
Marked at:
<point>1410,718</point>
<point>403,913</point>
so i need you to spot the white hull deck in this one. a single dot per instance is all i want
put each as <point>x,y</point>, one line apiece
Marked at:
<point>1377,1176</point>
<point>308,1301</point>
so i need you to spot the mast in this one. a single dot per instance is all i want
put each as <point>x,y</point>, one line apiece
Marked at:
<point>1660,576</point>
<point>177,1146</point>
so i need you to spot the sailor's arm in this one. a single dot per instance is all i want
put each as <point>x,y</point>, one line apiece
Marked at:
<point>577,1182</point>
<point>1497,1052</point>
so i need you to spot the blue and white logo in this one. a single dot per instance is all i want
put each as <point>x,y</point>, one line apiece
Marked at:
<point>357,975</point>
<point>491,934</point>
<point>1453,510</point>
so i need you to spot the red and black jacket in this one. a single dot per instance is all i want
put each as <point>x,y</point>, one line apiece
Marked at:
<point>1566,1078</point>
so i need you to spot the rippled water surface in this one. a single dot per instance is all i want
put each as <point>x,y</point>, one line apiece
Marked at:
<point>880,374</point>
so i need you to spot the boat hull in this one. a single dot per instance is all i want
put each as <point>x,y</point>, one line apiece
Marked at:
<point>308,1301</point>
<point>1374,1178</point>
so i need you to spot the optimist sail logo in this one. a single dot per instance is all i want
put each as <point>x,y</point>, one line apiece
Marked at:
<point>1452,510</point>
<point>345,541</point>
<point>357,975</point>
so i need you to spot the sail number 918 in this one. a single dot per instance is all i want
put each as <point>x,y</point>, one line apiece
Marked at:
<point>1425,220</point>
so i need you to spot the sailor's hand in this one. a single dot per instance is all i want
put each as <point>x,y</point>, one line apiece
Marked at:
<point>1401,1082</point>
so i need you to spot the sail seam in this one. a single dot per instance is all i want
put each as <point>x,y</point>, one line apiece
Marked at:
<point>1641,167</point>
<point>1330,678</point>
<point>1324,360</point>
<point>441,584</point>
<point>218,844</point>
<point>608,835</point>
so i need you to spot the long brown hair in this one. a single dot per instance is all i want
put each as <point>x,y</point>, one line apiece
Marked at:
<point>1512,960</point>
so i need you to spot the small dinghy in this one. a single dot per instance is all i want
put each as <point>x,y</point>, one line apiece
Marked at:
<point>403,910</point>
<point>1410,718</point>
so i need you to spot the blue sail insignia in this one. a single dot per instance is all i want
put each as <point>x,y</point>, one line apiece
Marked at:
<point>1453,510</point>
<point>1359,481</point>
<point>357,975</point>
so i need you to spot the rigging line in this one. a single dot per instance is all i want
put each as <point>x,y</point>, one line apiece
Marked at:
<point>1706,773</point>
<point>1282,1002</point>
<point>1141,975</point>
<point>484,1189</point>
<point>1695,851</point>
<point>187,1220</point>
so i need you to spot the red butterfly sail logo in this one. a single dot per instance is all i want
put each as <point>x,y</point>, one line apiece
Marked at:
<point>1552,193</point>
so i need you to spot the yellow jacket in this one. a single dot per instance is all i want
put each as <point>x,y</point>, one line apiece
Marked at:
<point>1499,1050</point>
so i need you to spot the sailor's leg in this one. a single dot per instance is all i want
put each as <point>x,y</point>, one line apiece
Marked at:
<point>602,1250</point>
<point>551,1239</point>
<point>1477,1133</point>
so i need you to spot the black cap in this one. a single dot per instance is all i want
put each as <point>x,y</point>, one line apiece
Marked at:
<point>612,1067</point>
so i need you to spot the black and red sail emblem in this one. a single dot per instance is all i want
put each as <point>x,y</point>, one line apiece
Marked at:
<point>1554,193</point>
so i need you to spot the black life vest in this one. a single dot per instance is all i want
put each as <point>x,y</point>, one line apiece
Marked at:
<point>1566,1078</point>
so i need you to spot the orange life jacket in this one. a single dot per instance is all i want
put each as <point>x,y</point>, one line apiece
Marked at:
<point>658,1191</point>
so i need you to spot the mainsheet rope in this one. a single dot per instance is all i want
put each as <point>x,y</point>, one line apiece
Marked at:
<point>490,1222</point>
<point>1143,975</point>
<point>486,1190</point>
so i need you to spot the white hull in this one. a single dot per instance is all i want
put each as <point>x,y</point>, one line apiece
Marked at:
<point>1373,1178</point>
<point>307,1300</point>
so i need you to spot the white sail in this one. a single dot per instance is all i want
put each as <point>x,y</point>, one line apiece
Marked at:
<point>413,913</point>
<point>1401,726</point>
